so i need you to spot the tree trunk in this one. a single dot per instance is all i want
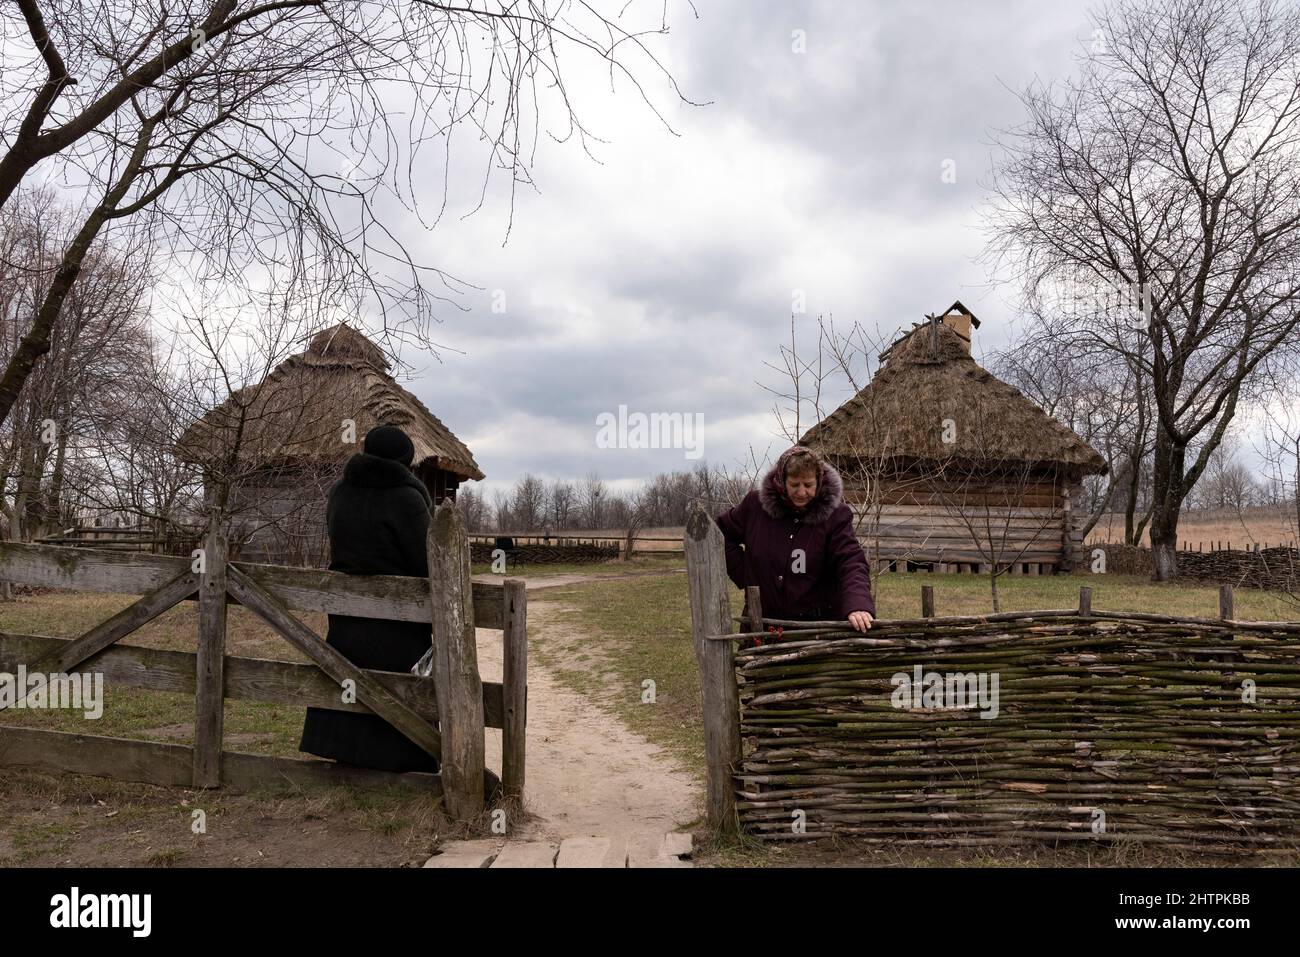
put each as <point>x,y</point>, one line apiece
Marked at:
<point>1165,509</point>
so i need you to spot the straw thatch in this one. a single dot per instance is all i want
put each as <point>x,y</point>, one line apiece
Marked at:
<point>296,415</point>
<point>928,376</point>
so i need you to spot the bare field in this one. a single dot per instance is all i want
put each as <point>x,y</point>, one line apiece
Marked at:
<point>1207,530</point>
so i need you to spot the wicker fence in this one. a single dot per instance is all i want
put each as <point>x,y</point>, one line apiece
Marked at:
<point>1275,569</point>
<point>1039,726</point>
<point>576,553</point>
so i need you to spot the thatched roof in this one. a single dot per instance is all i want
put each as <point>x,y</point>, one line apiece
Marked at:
<point>928,376</point>
<point>296,414</point>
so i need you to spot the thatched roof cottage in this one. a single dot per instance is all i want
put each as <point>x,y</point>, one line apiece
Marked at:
<point>283,442</point>
<point>949,467</point>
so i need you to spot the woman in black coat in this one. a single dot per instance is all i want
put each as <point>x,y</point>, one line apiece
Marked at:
<point>793,537</point>
<point>378,517</point>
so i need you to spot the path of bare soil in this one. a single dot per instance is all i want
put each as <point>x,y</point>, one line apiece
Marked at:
<point>587,774</point>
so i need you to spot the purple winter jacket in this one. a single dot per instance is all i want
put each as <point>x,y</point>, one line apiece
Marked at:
<point>833,578</point>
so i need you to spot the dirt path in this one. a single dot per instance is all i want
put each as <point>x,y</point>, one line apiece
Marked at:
<point>575,578</point>
<point>587,774</point>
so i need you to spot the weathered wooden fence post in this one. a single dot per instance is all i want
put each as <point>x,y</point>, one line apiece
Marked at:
<point>927,601</point>
<point>209,695</point>
<point>1226,603</point>
<point>706,574</point>
<point>514,686</point>
<point>455,662</point>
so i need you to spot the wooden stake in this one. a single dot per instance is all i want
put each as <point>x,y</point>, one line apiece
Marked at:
<point>514,687</point>
<point>927,601</point>
<point>1226,602</point>
<point>210,673</point>
<point>706,576</point>
<point>456,677</point>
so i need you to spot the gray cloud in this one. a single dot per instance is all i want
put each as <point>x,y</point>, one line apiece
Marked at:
<point>662,276</point>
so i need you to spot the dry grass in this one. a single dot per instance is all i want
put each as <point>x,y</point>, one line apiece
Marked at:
<point>1203,530</point>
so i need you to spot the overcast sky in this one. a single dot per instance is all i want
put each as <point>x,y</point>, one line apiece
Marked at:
<point>660,275</point>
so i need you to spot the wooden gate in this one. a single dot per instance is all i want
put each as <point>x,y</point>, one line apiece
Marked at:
<point>462,705</point>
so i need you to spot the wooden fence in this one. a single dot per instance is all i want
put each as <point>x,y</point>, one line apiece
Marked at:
<point>1105,726</point>
<point>455,698</point>
<point>617,542</point>
<point>1272,569</point>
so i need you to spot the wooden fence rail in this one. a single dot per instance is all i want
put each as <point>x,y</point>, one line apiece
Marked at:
<point>460,704</point>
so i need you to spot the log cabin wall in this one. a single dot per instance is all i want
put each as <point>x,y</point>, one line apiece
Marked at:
<point>278,517</point>
<point>921,520</point>
<point>440,483</point>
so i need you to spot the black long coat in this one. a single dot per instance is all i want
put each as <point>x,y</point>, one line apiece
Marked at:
<point>378,517</point>
<point>807,563</point>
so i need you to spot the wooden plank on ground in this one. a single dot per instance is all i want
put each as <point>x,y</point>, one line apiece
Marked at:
<point>592,852</point>
<point>526,854</point>
<point>457,854</point>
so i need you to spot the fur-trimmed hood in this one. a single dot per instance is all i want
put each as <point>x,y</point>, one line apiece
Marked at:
<point>371,471</point>
<point>830,491</point>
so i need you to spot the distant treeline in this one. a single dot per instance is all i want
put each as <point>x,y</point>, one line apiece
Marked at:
<point>535,504</point>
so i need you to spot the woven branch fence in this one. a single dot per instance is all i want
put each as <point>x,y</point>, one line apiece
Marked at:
<point>567,554</point>
<point>1273,569</point>
<point>1109,726</point>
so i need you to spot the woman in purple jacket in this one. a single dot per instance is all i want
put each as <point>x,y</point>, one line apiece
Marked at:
<point>793,537</point>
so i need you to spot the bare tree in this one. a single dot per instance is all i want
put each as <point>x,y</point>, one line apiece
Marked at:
<point>1169,167</point>
<point>1105,403</point>
<point>256,139</point>
<point>473,508</point>
<point>528,504</point>
<point>100,349</point>
<point>1226,483</point>
<point>594,501</point>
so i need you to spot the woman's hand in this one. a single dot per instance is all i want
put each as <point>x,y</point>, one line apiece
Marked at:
<point>861,620</point>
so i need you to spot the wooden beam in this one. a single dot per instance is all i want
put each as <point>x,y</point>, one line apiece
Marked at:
<point>247,679</point>
<point>460,698</point>
<point>171,765</point>
<point>390,597</point>
<point>333,663</point>
<point>77,650</point>
<point>514,687</point>
<point>710,594</point>
<point>209,665</point>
